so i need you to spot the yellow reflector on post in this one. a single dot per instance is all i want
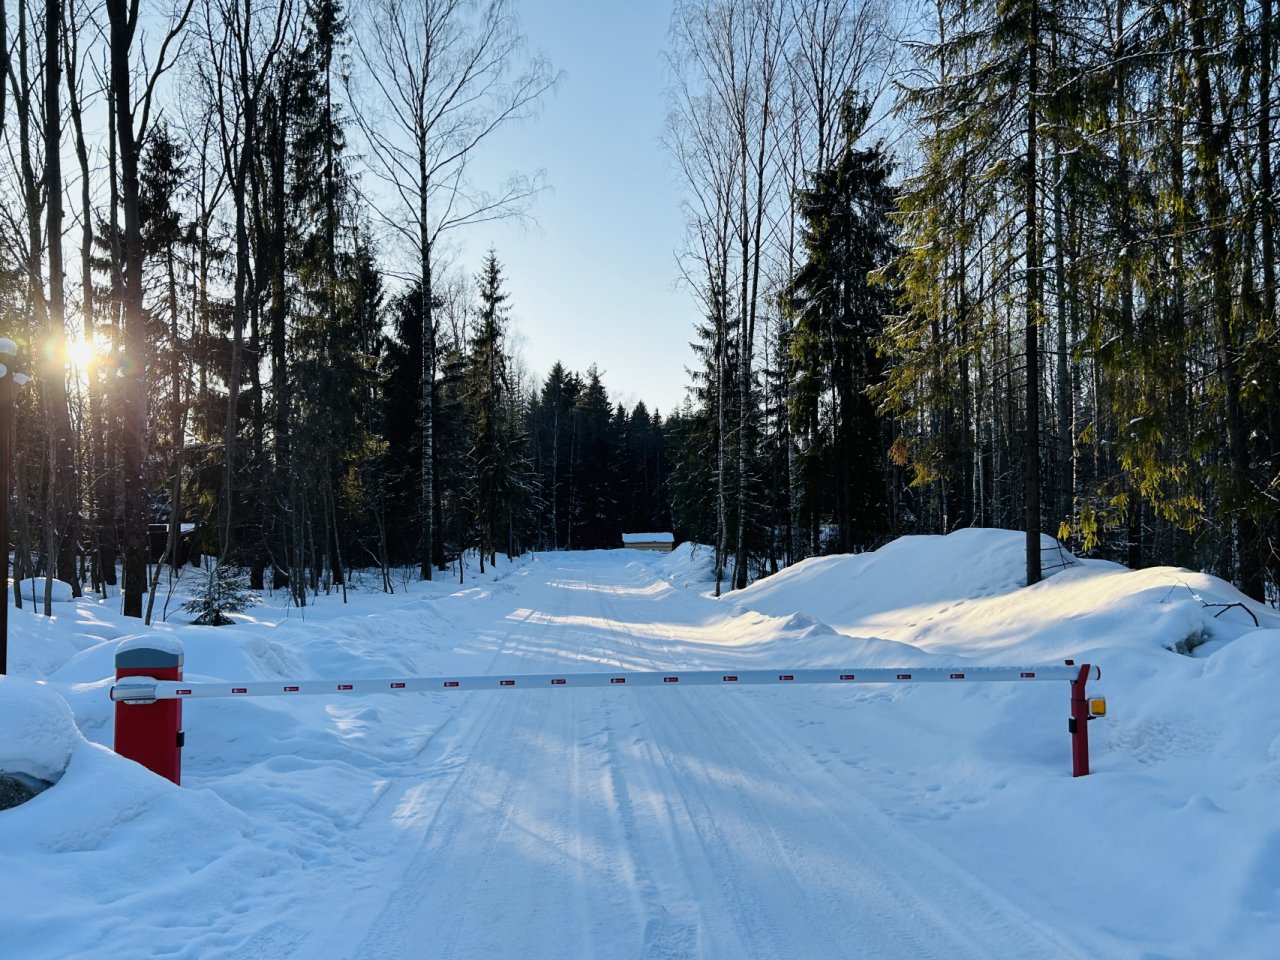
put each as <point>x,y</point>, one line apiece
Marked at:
<point>1097,706</point>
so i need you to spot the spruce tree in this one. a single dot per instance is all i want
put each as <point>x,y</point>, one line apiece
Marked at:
<point>838,314</point>
<point>493,457</point>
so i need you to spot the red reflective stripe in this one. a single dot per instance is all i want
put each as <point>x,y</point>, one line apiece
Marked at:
<point>847,676</point>
<point>957,676</point>
<point>904,676</point>
<point>239,690</point>
<point>617,679</point>
<point>397,686</point>
<point>670,679</point>
<point>346,686</point>
<point>451,683</point>
<point>290,689</point>
<point>785,676</point>
<point>506,683</point>
<point>558,682</point>
<point>730,679</point>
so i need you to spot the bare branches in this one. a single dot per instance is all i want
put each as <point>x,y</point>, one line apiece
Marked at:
<point>442,77</point>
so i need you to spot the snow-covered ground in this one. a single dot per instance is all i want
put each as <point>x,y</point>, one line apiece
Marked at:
<point>869,822</point>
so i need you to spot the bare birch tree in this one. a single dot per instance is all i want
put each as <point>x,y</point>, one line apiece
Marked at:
<point>700,139</point>
<point>443,75</point>
<point>733,52</point>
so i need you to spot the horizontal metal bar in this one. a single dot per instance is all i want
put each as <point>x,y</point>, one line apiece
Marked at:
<point>147,690</point>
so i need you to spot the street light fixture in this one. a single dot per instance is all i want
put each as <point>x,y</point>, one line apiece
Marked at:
<point>8,377</point>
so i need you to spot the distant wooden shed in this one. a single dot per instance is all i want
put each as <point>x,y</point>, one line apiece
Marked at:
<point>658,542</point>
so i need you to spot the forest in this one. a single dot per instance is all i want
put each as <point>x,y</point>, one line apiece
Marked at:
<point>958,264</point>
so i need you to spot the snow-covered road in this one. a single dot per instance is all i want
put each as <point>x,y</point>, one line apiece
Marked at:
<point>698,823</point>
<point>878,822</point>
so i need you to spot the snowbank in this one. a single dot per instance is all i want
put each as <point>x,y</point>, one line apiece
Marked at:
<point>688,565</point>
<point>964,565</point>
<point>963,595</point>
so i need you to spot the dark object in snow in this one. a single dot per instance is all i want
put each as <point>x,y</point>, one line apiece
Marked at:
<point>188,543</point>
<point>17,788</point>
<point>225,591</point>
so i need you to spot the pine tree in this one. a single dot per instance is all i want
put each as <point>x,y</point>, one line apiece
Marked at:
<point>596,523</point>
<point>165,235</point>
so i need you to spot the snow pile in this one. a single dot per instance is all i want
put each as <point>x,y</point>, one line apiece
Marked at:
<point>33,590</point>
<point>962,595</point>
<point>39,645</point>
<point>688,565</point>
<point>110,852</point>
<point>910,571</point>
<point>37,731</point>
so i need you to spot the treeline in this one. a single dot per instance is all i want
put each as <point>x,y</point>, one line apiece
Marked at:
<point>1089,244</point>
<point>1057,313</point>
<point>961,264</point>
<point>519,465</point>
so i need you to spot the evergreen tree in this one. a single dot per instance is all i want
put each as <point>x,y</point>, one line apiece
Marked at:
<point>555,433</point>
<point>166,238</point>
<point>595,521</point>
<point>992,93</point>
<point>838,315</point>
<point>400,367</point>
<point>493,456</point>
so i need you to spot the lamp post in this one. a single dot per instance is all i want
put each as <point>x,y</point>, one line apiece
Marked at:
<point>9,377</point>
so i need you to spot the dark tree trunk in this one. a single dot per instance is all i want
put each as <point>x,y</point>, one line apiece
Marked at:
<point>133,380</point>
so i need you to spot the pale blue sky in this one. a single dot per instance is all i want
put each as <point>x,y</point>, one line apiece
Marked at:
<point>593,280</point>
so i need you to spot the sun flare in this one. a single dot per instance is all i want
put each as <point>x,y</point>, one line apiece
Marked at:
<point>81,354</point>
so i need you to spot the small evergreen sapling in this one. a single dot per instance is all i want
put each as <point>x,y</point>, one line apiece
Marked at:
<point>225,591</point>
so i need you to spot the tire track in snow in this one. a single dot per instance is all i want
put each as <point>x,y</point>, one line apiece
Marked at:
<point>679,888</point>
<point>912,900</point>
<point>670,924</point>
<point>663,825</point>
<point>501,796</point>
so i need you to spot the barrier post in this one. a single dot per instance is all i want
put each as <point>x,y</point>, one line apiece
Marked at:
<point>1079,723</point>
<point>150,733</point>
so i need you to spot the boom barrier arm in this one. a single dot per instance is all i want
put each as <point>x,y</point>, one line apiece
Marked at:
<point>148,721</point>
<point>148,690</point>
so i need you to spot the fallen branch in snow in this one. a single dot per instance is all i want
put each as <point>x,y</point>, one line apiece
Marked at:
<point>1065,559</point>
<point>1225,606</point>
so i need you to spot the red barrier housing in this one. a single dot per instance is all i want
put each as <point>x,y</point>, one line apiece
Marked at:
<point>151,733</point>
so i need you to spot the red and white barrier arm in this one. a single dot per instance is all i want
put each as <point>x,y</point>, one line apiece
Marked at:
<point>141,690</point>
